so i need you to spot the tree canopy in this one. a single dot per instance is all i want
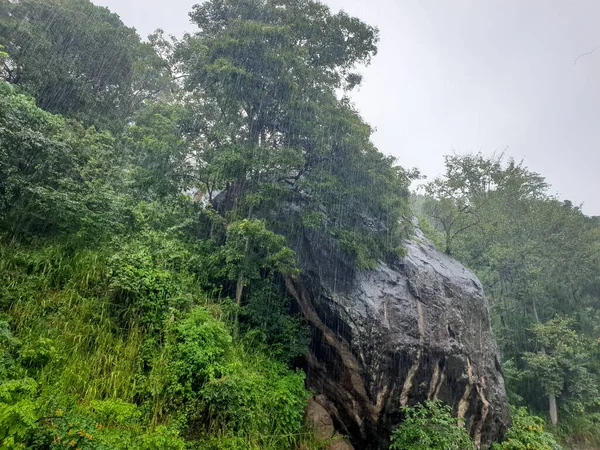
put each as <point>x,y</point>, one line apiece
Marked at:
<point>78,60</point>
<point>538,259</point>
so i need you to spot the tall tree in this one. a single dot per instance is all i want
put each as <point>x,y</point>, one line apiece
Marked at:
<point>78,60</point>
<point>55,175</point>
<point>562,363</point>
<point>457,200</point>
<point>265,76</point>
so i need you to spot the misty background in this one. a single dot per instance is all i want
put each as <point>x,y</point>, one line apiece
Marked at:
<point>466,76</point>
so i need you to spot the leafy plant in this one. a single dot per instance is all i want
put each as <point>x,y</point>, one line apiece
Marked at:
<point>115,412</point>
<point>197,348</point>
<point>429,426</point>
<point>527,432</point>
<point>19,410</point>
<point>258,399</point>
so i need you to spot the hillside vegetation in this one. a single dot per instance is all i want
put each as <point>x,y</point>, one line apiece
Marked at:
<point>141,184</point>
<point>133,314</point>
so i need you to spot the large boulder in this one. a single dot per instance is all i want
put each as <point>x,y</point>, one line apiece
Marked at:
<point>412,329</point>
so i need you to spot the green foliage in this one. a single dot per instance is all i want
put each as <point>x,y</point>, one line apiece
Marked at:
<point>581,428</point>
<point>145,281</point>
<point>83,429</point>
<point>267,323</point>
<point>258,399</point>
<point>38,353</point>
<point>161,438</point>
<point>197,347</point>
<point>429,426</point>
<point>537,258</point>
<point>118,384</point>
<point>78,60</point>
<point>250,248</point>
<point>456,201</point>
<point>19,411</point>
<point>262,78</point>
<point>527,432</point>
<point>74,430</point>
<point>565,361</point>
<point>3,60</point>
<point>54,175</point>
<point>158,151</point>
<point>115,412</point>
<point>430,233</point>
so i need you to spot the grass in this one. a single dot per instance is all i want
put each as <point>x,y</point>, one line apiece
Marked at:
<point>61,307</point>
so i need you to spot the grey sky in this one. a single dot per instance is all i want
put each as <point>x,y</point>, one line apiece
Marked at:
<point>469,75</point>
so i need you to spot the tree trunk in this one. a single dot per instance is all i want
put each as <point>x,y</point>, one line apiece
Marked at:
<point>239,290</point>
<point>257,139</point>
<point>551,397</point>
<point>553,411</point>
<point>448,250</point>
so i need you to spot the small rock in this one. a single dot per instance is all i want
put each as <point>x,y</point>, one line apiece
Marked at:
<point>320,420</point>
<point>340,444</point>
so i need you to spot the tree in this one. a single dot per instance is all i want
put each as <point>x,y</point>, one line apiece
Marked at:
<point>78,60</point>
<point>264,77</point>
<point>537,258</point>
<point>252,252</point>
<point>263,66</point>
<point>159,151</point>
<point>55,175</point>
<point>562,363</point>
<point>455,201</point>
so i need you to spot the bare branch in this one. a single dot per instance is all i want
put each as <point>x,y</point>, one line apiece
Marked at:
<point>584,54</point>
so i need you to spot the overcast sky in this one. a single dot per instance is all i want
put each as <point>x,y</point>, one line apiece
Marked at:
<point>469,75</point>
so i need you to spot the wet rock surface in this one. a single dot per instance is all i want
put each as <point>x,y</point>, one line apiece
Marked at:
<point>417,328</point>
<point>319,419</point>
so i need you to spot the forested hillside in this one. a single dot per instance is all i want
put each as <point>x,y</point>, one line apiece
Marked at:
<point>135,315</point>
<point>145,190</point>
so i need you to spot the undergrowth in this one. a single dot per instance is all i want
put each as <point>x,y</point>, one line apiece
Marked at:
<point>118,346</point>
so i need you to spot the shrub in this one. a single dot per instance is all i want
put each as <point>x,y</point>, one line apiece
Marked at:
<point>429,426</point>
<point>580,429</point>
<point>527,432</point>
<point>115,412</point>
<point>147,277</point>
<point>257,399</point>
<point>18,411</point>
<point>162,438</point>
<point>198,346</point>
<point>84,429</point>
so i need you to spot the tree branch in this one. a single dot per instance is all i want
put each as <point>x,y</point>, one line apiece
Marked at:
<point>584,54</point>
